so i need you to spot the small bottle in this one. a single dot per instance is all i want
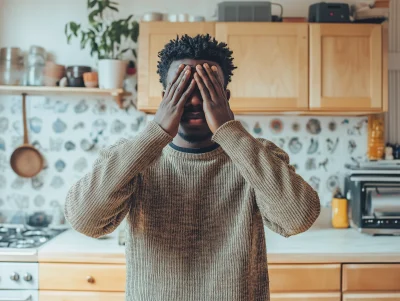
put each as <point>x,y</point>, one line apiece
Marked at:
<point>340,217</point>
<point>376,137</point>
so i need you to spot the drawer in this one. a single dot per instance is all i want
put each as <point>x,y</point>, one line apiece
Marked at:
<point>372,297</point>
<point>306,297</point>
<point>371,277</point>
<point>82,277</point>
<point>80,296</point>
<point>304,277</point>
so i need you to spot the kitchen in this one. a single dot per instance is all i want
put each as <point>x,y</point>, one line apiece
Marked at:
<point>70,127</point>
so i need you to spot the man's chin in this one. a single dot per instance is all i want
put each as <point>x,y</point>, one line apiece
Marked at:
<point>195,132</point>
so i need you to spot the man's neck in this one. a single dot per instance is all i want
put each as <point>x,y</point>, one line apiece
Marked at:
<point>179,141</point>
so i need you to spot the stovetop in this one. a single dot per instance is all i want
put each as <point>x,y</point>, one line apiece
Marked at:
<point>20,237</point>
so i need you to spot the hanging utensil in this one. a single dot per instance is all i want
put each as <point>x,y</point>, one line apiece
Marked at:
<point>26,160</point>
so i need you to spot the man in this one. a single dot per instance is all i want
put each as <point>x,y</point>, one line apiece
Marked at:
<point>196,188</point>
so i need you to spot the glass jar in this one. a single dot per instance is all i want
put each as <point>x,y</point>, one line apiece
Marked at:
<point>11,66</point>
<point>11,72</point>
<point>35,63</point>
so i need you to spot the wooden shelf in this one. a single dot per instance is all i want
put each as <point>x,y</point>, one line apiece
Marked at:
<point>117,94</point>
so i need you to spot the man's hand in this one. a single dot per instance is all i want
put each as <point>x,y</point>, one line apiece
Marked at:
<point>215,102</point>
<point>171,108</point>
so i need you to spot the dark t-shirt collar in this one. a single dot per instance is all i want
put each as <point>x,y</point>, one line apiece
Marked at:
<point>195,150</point>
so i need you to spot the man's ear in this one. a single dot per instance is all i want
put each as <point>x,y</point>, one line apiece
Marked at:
<point>228,94</point>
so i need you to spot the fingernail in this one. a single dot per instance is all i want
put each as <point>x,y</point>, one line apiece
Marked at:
<point>187,72</point>
<point>199,67</point>
<point>214,68</point>
<point>206,65</point>
<point>180,66</point>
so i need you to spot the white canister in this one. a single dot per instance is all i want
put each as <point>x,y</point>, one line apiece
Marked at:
<point>112,74</point>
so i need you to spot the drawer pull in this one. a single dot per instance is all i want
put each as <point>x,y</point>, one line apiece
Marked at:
<point>90,279</point>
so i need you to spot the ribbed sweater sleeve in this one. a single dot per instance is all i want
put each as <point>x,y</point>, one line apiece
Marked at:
<point>98,202</point>
<point>288,204</point>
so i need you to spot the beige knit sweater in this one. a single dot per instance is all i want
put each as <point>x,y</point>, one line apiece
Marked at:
<point>195,221</point>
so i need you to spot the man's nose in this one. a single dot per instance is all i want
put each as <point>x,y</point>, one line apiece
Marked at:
<point>194,100</point>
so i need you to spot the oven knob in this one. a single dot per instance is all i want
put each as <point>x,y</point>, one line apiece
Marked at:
<point>14,276</point>
<point>27,277</point>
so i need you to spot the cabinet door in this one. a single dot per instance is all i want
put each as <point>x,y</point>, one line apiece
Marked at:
<point>372,297</point>
<point>153,37</point>
<point>371,277</point>
<point>79,296</point>
<point>82,277</point>
<point>345,67</point>
<point>287,278</point>
<point>306,297</point>
<point>272,61</point>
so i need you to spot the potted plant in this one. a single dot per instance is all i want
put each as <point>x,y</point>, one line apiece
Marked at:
<point>108,39</point>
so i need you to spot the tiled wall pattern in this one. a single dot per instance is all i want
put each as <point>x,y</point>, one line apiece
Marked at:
<point>65,130</point>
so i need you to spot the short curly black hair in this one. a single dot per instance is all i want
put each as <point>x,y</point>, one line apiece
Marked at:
<point>200,47</point>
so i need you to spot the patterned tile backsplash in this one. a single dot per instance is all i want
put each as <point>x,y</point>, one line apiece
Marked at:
<point>69,131</point>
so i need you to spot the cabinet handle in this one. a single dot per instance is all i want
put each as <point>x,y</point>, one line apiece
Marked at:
<point>16,299</point>
<point>90,279</point>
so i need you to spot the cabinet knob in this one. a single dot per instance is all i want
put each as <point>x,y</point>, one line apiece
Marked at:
<point>90,279</point>
<point>27,277</point>
<point>14,276</point>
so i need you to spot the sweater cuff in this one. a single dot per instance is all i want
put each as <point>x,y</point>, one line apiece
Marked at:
<point>154,135</point>
<point>227,133</point>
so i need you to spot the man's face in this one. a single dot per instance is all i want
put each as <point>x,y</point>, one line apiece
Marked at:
<point>193,126</point>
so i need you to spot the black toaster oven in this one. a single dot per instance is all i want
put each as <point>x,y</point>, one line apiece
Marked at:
<point>374,202</point>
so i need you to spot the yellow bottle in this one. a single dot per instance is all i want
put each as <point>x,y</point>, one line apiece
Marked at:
<point>340,217</point>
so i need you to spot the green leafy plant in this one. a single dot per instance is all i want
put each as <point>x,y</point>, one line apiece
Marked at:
<point>108,39</point>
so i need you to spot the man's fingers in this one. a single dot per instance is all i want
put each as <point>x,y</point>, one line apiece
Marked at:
<point>186,94</point>
<point>177,79</point>
<point>208,84</point>
<point>181,85</point>
<point>214,79</point>
<point>218,77</point>
<point>203,89</point>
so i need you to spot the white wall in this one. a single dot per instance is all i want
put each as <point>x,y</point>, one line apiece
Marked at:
<point>41,22</point>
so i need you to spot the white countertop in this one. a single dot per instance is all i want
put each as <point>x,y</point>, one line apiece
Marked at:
<point>320,244</point>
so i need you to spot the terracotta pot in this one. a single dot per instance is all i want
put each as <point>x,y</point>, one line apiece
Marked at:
<point>91,79</point>
<point>53,73</point>
<point>53,70</point>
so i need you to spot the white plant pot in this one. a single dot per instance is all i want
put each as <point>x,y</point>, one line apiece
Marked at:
<point>112,74</point>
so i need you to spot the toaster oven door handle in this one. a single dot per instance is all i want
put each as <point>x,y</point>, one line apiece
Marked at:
<point>375,179</point>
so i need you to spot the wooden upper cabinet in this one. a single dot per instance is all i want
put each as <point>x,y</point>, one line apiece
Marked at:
<point>153,37</point>
<point>272,61</point>
<point>346,67</point>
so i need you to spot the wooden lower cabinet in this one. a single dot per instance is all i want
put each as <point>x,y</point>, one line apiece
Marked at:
<point>306,297</point>
<point>371,278</point>
<point>371,296</point>
<point>82,277</point>
<point>80,296</point>
<point>288,278</point>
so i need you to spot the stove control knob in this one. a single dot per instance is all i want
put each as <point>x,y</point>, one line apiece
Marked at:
<point>28,277</point>
<point>14,276</point>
